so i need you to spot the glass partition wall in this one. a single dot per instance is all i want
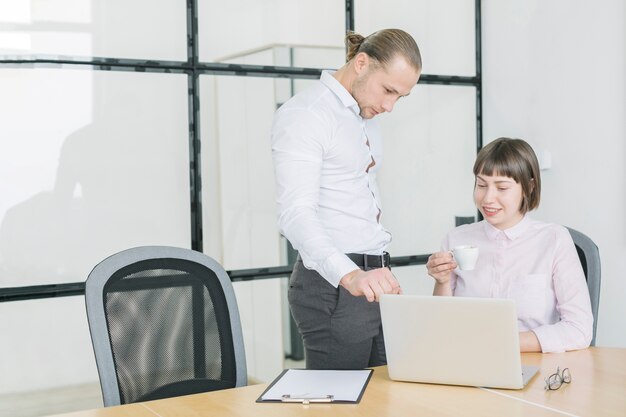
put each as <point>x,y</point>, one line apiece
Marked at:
<point>125,125</point>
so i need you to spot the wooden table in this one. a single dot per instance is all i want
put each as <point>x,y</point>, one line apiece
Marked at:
<point>598,388</point>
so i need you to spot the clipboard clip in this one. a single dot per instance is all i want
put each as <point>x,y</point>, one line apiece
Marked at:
<point>304,399</point>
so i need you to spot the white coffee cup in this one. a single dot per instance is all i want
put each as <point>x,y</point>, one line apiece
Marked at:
<point>465,256</point>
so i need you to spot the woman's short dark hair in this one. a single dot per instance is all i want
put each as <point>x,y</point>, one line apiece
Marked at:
<point>513,158</point>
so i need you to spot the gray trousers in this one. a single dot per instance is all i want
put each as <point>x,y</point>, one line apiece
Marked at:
<point>340,331</point>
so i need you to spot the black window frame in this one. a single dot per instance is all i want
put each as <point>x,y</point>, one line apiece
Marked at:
<point>193,68</point>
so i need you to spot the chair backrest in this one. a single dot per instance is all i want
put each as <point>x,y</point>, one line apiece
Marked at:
<point>590,259</point>
<point>163,322</point>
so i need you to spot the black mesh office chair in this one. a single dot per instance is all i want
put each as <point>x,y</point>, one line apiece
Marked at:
<point>164,322</point>
<point>590,259</point>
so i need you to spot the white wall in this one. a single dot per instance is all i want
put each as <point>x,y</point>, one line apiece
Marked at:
<point>554,75</point>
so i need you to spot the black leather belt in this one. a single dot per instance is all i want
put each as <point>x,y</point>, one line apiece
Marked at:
<point>370,261</point>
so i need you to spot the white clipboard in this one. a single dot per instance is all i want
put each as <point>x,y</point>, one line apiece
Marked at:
<point>317,386</point>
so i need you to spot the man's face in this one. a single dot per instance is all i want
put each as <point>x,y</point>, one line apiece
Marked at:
<point>376,89</point>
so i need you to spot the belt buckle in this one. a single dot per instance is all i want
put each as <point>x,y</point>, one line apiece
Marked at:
<point>382,257</point>
<point>385,256</point>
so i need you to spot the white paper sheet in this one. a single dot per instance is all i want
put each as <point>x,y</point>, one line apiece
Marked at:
<point>304,383</point>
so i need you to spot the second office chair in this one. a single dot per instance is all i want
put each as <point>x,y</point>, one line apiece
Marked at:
<point>164,322</point>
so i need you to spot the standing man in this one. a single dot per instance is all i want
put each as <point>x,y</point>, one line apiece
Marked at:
<point>326,148</point>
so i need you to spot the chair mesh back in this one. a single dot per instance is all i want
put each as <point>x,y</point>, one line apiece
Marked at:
<point>169,328</point>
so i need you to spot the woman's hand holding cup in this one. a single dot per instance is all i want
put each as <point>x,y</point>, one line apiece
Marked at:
<point>440,265</point>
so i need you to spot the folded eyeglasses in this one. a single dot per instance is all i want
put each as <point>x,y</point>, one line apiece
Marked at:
<point>557,379</point>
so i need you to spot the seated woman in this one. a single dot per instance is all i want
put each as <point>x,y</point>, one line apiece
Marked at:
<point>531,262</point>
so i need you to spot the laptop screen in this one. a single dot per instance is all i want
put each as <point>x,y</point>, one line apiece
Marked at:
<point>452,340</point>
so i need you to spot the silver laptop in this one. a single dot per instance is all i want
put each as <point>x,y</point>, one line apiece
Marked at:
<point>453,340</point>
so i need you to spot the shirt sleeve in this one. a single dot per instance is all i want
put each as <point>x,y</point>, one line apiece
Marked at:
<point>299,139</point>
<point>574,330</point>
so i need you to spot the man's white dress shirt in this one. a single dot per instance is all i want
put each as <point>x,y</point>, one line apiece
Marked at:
<point>327,198</point>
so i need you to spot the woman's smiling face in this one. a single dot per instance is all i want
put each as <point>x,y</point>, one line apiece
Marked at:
<point>499,200</point>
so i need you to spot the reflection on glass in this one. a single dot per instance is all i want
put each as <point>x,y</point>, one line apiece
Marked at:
<point>97,161</point>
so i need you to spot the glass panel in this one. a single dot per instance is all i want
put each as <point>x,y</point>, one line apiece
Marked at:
<point>98,161</point>
<point>239,216</point>
<point>239,205</point>
<point>443,29</point>
<point>426,177</point>
<point>48,364</point>
<point>112,28</point>
<point>230,31</point>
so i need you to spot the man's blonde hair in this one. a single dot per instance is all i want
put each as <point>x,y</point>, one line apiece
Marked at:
<point>383,46</point>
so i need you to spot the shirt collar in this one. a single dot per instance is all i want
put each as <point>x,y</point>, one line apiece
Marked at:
<point>511,233</point>
<point>340,91</point>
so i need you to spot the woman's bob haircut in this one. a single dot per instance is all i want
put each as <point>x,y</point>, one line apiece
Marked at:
<point>513,158</point>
